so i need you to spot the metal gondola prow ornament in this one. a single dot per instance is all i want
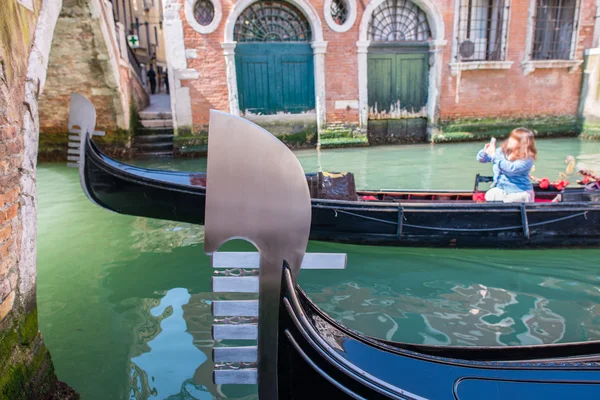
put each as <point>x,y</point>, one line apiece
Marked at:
<point>81,124</point>
<point>256,190</point>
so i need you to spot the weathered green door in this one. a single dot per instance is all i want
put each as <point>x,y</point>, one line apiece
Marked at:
<point>397,85</point>
<point>275,77</point>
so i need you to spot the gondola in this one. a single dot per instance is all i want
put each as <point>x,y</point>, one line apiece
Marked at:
<point>342,364</point>
<point>388,217</point>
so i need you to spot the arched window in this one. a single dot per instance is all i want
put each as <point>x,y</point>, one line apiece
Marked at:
<point>272,21</point>
<point>399,21</point>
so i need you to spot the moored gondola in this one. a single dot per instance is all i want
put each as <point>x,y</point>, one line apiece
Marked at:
<point>342,214</point>
<point>342,364</point>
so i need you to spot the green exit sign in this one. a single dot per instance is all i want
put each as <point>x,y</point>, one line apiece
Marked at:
<point>26,3</point>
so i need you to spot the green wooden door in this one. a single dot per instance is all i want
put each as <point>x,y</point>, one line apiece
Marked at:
<point>398,84</point>
<point>275,77</point>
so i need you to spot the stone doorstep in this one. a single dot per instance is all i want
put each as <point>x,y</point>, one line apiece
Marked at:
<point>151,115</point>
<point>157,123</point>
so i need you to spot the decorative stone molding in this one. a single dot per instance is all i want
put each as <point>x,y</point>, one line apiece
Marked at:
<point>229,53</point>
<point>204,29</point>
<point>362,48</point>
<point>334,26</point>
<point>455,67</point>
<point>181,104</point>
<point>307,9</point>
<point>531,65</point>
<point>319,49</point>
<point>187,74</point>
<point>434,16</point>
<point>191,53</point>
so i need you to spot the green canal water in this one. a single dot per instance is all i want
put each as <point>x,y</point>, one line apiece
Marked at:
<point>124,302</point>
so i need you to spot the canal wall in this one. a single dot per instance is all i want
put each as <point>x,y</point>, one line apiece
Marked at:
<point>26,369</point>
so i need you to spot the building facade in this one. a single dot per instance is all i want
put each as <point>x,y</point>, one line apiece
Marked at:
<point>394,68</point>
<point>142,19</point>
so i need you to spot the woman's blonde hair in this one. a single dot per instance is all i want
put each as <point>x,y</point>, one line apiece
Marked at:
<point>526,148</point>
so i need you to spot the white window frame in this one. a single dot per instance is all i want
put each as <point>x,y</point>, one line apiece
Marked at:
<point>463,65</point>
<point>529,64</point>
<point>334,26</point>
<point>204,29</point>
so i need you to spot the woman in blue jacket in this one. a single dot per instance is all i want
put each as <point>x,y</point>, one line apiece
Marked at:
<point>512,165</point>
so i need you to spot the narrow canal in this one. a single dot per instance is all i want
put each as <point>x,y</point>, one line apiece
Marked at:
<point>124,302</point>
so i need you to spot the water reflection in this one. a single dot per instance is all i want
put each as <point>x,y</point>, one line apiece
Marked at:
<point>165,371</point>
<point>459,316</point>
<point>151,235</point>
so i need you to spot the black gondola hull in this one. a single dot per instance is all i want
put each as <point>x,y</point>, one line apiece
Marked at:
<point>462,225</point>
<point>143,192</point>
<point>319,357</point>
<point>180,196</point>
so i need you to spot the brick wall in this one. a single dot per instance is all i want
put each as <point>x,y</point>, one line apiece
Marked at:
<point>12,94</point>
<point>510,93</point>
<point>481,93</point>
<point>209,91</point>
<point>26,370</point>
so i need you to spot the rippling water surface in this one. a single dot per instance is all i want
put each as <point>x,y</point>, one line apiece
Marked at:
<point>124,302</point>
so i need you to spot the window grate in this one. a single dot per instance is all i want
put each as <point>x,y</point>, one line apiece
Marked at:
<point>339,11</point>
<point>399,21</point>
<point>482,30</point>
<point>272,21</point>
<point>555,23</point>
<point>204,12</point>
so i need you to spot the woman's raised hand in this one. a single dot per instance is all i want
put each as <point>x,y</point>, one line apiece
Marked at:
<point>490,149</point>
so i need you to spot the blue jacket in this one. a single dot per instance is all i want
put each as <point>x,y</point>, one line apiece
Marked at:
<point>510,176</point>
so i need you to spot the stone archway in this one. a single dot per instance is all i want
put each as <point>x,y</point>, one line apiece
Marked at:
<point>318,45</point>
<point>436,24</point>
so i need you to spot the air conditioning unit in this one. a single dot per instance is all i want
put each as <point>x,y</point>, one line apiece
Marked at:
<point>472,49</point>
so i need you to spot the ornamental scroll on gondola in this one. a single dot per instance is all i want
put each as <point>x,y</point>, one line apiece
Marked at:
<point>301,352</point>
<point>340,213</point>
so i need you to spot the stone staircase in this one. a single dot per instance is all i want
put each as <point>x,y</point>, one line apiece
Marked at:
<point>154,136</point>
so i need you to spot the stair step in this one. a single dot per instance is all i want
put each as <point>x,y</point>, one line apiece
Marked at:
<point>153,138</point>
<point>157,123</point>
<point>149,115</point>
<point>141,131</point>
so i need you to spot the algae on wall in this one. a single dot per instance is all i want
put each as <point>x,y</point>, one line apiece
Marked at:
<point>464,130</point>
